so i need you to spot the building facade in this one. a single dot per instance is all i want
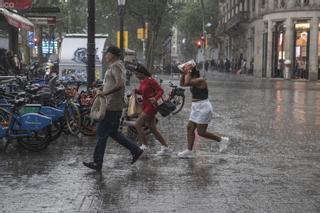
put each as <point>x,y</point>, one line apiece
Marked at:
<point>270,34</point>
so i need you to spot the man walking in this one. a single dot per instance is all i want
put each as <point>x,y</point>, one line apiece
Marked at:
<point>113,91</point>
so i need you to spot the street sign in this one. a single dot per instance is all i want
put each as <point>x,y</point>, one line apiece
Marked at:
<point>140,33</point>
<point>125,39</point>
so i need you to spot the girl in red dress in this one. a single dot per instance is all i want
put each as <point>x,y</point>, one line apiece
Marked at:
<point>151,92</point>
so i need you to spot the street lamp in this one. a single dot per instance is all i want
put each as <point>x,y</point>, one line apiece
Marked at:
<point>121,5</point>
<point>91,45</point>
<point>203,34</point>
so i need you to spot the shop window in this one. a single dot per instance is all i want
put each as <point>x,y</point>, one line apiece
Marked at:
<point>302,41</point>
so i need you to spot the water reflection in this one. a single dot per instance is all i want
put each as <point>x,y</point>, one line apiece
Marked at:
<point>279,105</point>
<point>299,102</point>
<point>317,109</point>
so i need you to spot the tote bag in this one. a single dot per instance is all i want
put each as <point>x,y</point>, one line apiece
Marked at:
<point>134,107</point>
<point>98,109</point>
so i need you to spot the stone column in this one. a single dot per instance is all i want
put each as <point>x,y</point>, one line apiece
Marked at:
<point>246,5</point>
<point>271,4</point>
<point>259,28</point>
<point>289,40</point>
<point>291,3</point>
<point>257,7</point>
<point>269,50</point>
<point>313,51</point>
<point>314,3</point>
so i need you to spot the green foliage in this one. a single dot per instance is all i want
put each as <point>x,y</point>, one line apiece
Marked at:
<point>161,16</point>
<point>190,21</point>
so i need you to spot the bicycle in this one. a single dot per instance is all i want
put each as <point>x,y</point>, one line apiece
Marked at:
<point>31,130</point>
<point>177,97</point>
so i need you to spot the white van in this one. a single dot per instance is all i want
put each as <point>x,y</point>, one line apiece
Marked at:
<point>73,57</point>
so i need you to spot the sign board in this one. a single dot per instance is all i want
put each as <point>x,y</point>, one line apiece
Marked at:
<point>48,46</point>
<point>31,39</point>
<point>125,39</point>
<point>73,57</point>
<point>200,56</point>
<point>16,4</point>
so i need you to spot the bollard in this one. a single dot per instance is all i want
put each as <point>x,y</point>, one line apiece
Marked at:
<point>287,67</point>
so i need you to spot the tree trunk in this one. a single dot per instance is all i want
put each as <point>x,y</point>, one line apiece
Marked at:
<point>155,25</point>
<point>151,47</point>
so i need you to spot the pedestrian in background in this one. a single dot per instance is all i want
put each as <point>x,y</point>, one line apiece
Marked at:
<point>206,66</point>
<point>151,92</point>
<point>201,111</point>
<point>113,91</point>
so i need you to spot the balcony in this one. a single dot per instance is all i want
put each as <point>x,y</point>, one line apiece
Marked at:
<point>237,19</point>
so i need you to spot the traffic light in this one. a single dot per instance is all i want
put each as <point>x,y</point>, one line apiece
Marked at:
<point>199,43</point>
<point>202,37</point>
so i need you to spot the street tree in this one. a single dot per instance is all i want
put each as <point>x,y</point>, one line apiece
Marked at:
<point>160,16</point>
<point>190,23</point>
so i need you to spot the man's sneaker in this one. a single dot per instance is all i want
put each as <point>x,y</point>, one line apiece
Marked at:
<point>164,151</point>
<point>136,156</point>
<point>93,165</point>
<point>223,145</point>
<point>186,154</point>
<point>144,147</point>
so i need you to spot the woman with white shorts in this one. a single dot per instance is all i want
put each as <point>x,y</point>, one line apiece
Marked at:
<point>201,111</point>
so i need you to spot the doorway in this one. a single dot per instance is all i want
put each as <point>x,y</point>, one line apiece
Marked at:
<point>278,55</point>
<point>301,49</point>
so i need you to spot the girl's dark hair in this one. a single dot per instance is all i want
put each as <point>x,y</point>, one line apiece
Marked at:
<point>142,69</point>
<point>195,72</point>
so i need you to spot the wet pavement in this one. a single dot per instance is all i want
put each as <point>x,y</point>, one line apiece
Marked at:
<point>271,165</point>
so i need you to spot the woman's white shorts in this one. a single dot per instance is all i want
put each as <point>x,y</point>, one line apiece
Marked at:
<point>201,112</point>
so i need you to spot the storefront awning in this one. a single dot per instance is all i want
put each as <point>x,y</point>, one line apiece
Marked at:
<point>17,20</point>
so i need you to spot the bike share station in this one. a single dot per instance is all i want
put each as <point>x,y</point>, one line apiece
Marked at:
<point>34,124</point>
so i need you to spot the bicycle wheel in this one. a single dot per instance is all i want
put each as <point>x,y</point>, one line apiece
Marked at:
<point>55,130</point>
<point>73,118</point>
<point>177,100</point>
<point>39,141</point>
<point>88,126</point>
